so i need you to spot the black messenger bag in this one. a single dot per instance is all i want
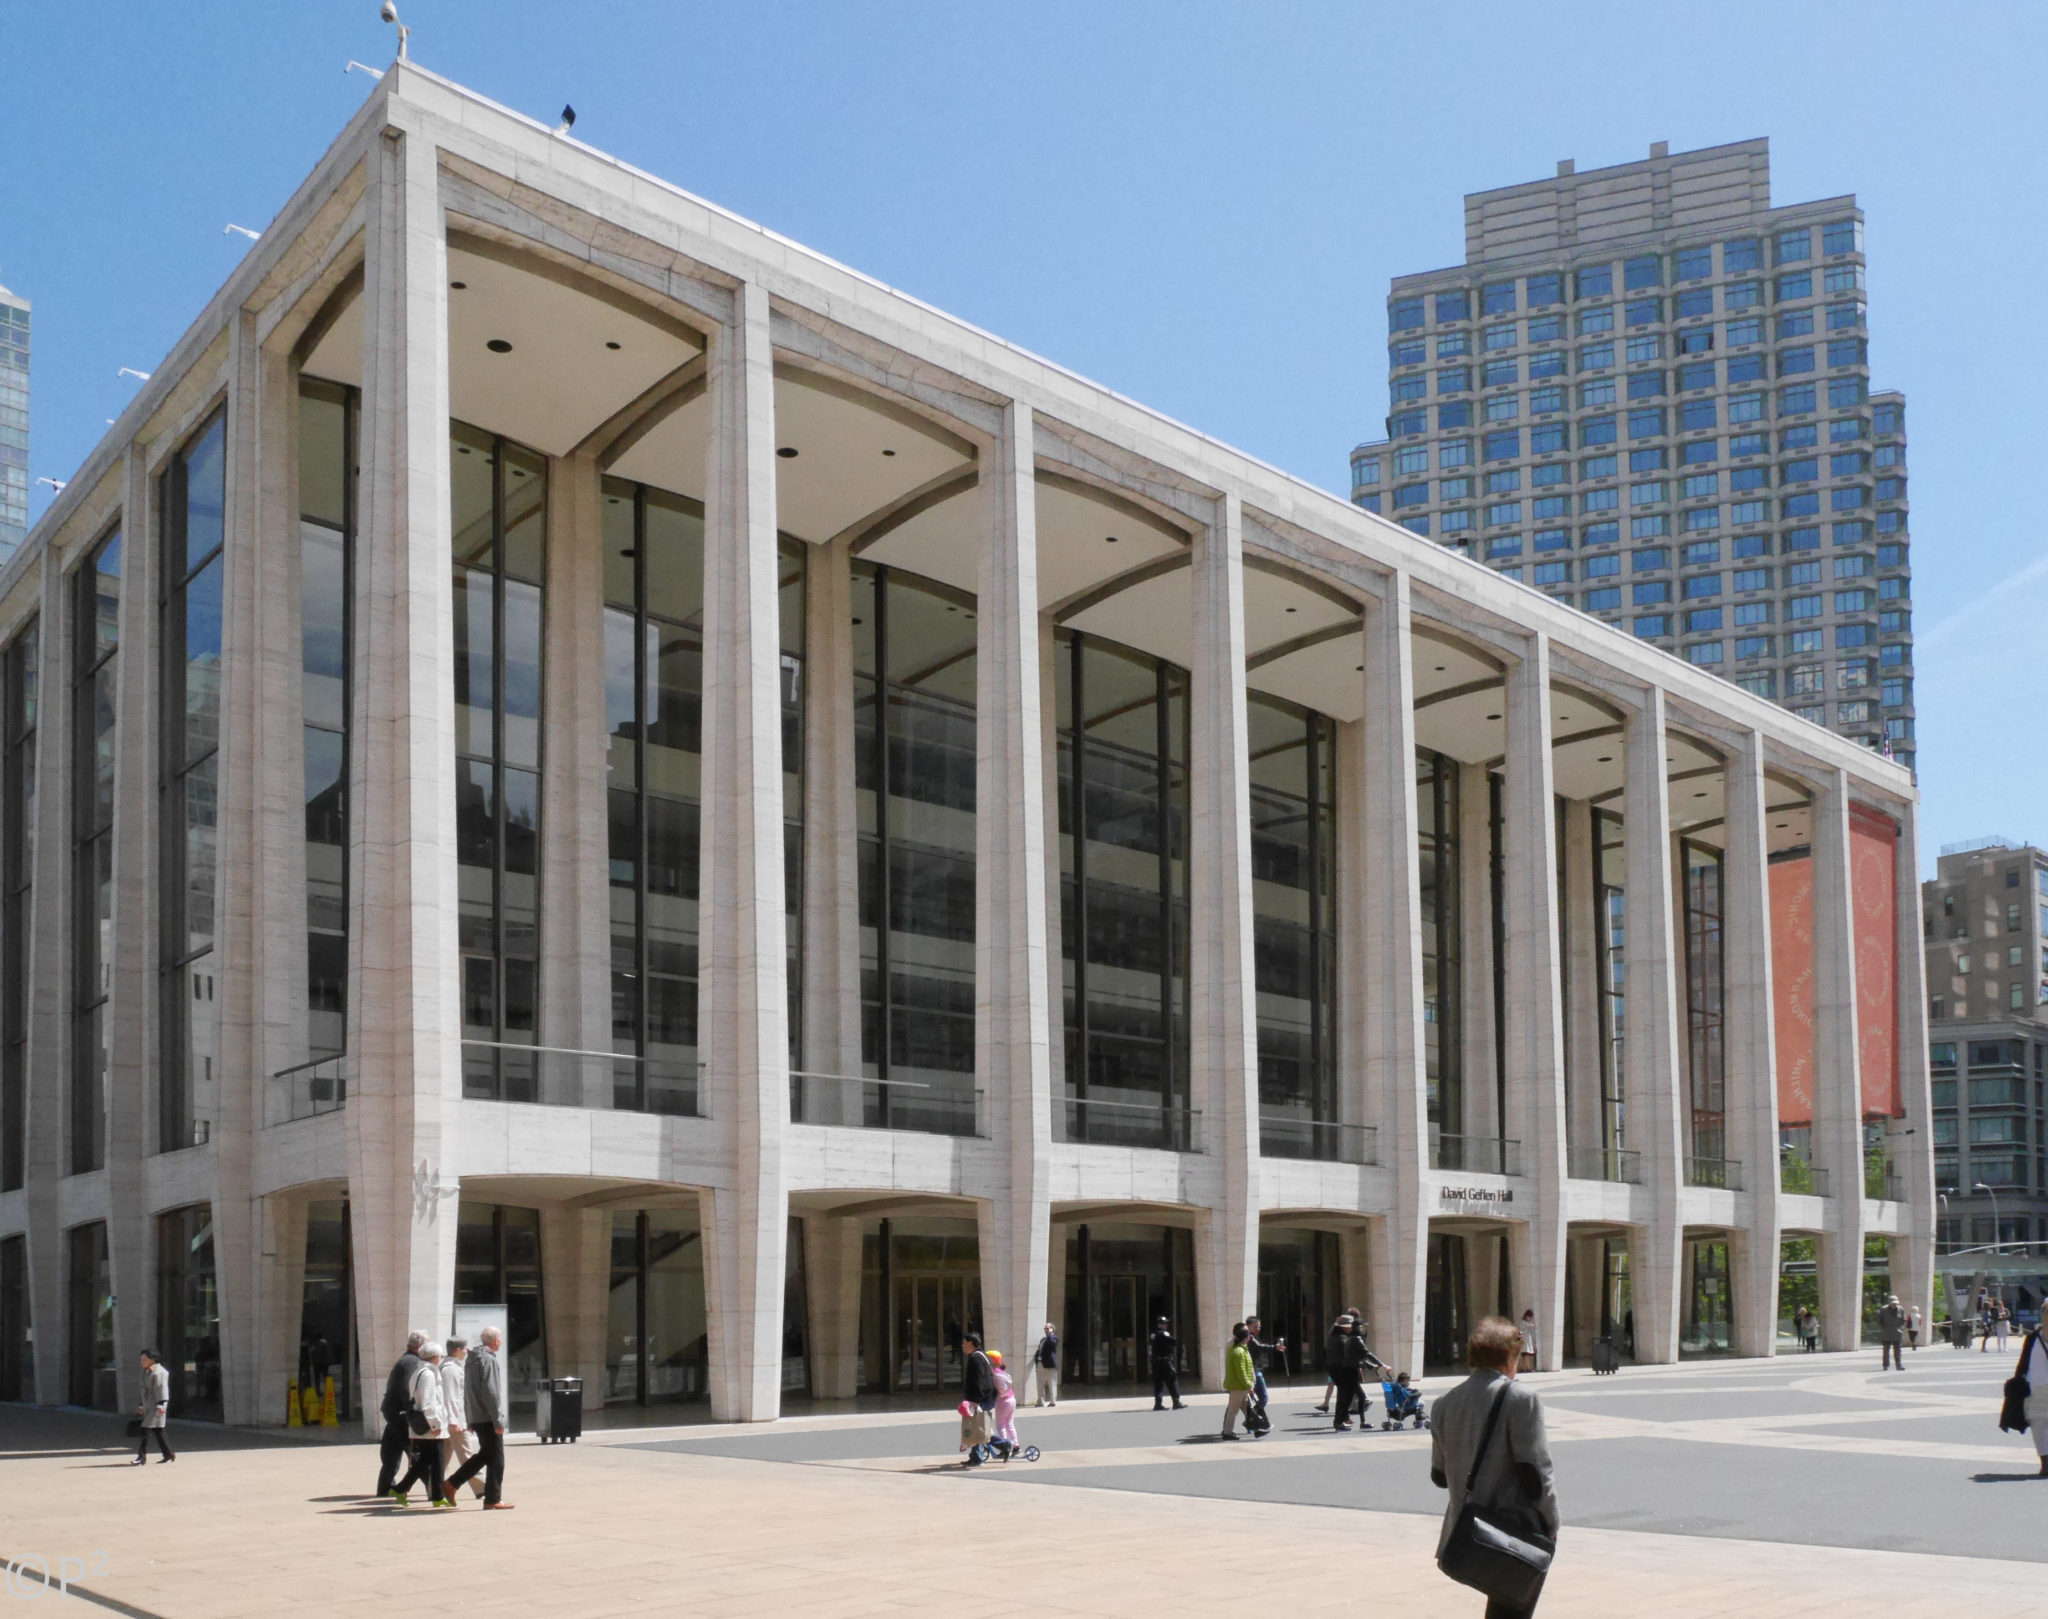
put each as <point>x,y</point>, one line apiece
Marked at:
<point>1504,1552</point>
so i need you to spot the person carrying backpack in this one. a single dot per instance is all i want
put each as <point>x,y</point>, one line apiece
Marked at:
<point>1046,1357</point>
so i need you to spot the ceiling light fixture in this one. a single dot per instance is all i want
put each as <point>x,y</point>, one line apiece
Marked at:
<point>787,452</point>
<point>1606,759</point>
<point>888,452</point>
<point>498,345</point>
<point>458,286</point>
<point>612,346</point>
<point>1493,716</point>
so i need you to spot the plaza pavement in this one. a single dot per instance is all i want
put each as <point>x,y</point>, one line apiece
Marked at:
<point>1812,1486</point>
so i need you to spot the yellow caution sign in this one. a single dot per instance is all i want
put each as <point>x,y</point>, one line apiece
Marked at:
<point>309,1398</point>
<point>330,1415</point>
<point>291,1404</point>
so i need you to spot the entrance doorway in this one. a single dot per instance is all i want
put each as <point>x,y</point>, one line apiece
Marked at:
<point>656,1350</point>
<point>920,1293</point>
<point>1299,1275</point>
<point>327,1321</point>
<point>1120,1280</point>
<point>1709,1313</point>
<point>933,1312</point>
<point>1446,1313</point>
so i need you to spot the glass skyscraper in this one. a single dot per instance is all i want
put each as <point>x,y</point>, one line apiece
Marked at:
<point>1646,392</point>
<point>14,311</point>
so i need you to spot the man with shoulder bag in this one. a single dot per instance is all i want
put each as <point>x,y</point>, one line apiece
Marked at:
<point>1487,1447</point>
<point>2026,1396</point>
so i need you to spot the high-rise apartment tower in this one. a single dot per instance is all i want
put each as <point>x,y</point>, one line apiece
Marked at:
<point>1646,392</point>
<point>14,311</point>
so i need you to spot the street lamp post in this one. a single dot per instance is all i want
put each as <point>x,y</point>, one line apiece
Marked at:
<point>1997,1229</point>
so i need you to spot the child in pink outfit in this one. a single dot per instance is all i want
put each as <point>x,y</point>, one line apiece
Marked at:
<point>1006,1401</point>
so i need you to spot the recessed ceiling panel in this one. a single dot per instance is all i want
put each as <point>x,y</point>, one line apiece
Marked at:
<point>1469,726</point>
<point>843,457</point>
<point>1279,608</point>
<point>1327,676</point>
<point>338,356</point>
<point>545,358</point>
<point>941,542</point>
<point>671,454</point>
<point>1441,665</point>
<point>1085,541</point>
<point>1155,616</point>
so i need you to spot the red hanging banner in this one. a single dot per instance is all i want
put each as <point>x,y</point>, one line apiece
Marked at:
<point>1792,985</point>
<point>1874,901</point>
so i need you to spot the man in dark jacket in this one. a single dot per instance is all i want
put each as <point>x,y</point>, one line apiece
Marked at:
<point>977,1386</point>
<point>396,1442</point>
<point>1891,1334</point>
<point>483,1392</point>
<point>1165,1366</point>
<point>1348,1358</point>
<point>1046,1358</point>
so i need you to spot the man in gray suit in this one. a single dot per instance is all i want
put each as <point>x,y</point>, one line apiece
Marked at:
<point>1891,1334</point>
<point>484,1399</point>
<point>1515,1472</point>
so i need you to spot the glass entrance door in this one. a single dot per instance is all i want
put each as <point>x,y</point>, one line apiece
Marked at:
<point>932,1313</point>
<point>1120,1329</point>
<point>1446,1319</point>
<point>1709,1316</point>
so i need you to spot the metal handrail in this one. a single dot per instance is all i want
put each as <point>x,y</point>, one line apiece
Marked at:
<point>1621,1164</point>
<point>1723,1174</point>
<point>1478,1155</point>
<point>668,1086</point>
<point>937,1112</point>
<point>1802,1179</point>
<point>292,1098</point>
<point>1288,1135</point>
<point>1178,1128</point>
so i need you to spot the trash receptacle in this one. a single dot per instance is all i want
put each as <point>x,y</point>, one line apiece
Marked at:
<point>558,1410</point>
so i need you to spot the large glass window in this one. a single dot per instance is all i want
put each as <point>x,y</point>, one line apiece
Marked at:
<point>188,819</point>
<point>95,641</point>
<point>1123,818</point>
<point>89,1317</point>
<point>497,1261</point>
<point>327,528</point>
<point>1610,924</point>
<point>1436,815</point>
<point>1294,939</point>
<point>188,1310</point>
<point>656,1350</point>
<point>914,777</point>
<point>1705,1051</point>
<point>654,684</point>
<point>327,1320</point>
<point>20,670</point>
<point>499,528</point>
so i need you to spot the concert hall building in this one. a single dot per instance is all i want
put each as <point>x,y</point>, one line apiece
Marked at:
<point>571,760</point>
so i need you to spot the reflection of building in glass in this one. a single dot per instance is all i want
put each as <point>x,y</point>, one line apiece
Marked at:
<point>621,778</point>
<point>14,355</point>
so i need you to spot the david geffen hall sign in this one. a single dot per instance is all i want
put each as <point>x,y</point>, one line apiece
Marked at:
<point>1474,1199</point>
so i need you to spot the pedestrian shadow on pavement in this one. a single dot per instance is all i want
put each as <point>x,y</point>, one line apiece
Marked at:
<point>2004,1478</point>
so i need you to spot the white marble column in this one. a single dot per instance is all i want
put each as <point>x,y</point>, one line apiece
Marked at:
<point>576,1254</point>
<point>1534,999</point>
<point>277,1287</point>
<point>50,1053</point>
<point>1223,1014</point>
<point>1581,926</point>
<point>404,1004</point>
<point>1654,1077</point>
<point>133,1069</point>
<point>743,1026</point>
<point>1837,1086</point>
<point>1394,1067</point>
<point>1478,1069</point>
<point>575,884</point>
<point>832,1276</point>
<point>258,439</point>
<point>1014,942</point>
<point>1910,1148</point>
<point>1750,1041</point>
<point>831,923</point>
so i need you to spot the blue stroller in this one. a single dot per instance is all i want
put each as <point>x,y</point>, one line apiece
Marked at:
<point>1403,1402</point>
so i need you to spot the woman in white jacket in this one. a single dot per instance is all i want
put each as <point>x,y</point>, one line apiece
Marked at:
<point>460,1444</point>
<point>426,1397</point>
<point>2035,1371</point>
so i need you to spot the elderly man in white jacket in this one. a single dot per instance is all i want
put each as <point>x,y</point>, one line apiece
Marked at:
<point>427,1399</point>
<point>460,1444</point>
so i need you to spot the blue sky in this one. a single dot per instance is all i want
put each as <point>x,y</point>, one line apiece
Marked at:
<point>1197,204</point>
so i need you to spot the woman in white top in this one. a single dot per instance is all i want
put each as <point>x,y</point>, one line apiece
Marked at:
<point>2036,1374</point>
<point>460,1444</point>
<point>425,1392</point>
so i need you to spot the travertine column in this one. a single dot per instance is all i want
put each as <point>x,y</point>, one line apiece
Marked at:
<point>575,884</point>
<point>576,1256</point>
<point>258,438</point>
<point>133,1071</point>
<point>1750,1042</point>
<point>404,1005</point>
<point>832,1265</point>
<point>743,1028</point>
<point>1013,943</point>
<point>1389,984</point>
<point>50,1053</point>
<point>277,1284</point>
<point>831,932</point>
<point>1223,1014</point>
<point>1534,1002</point>
<point>1837,1088</point>
<point>1654,1076</point>
<point>1910,1149</point>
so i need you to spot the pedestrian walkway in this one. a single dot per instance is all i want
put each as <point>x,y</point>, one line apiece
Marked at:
<point>863,1515</point>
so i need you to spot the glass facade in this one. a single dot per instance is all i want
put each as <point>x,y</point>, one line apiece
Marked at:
<point>327,534</point>
<point>327,1318</point>
<point>1436,819</point>
<point>914,777</point>
<point>194,505</point>
<point>500,495</point>
<point>497,1261</point>
<point>656,1350</point>
<point>920,1291</point>
<point>1294,922</point>
<point>188,1311</point>
<point>95,641</point>
<point>89,1317</point>
<point>1610,937</point>
<point>20,671</point>
<point>1706,1051</point>
<point>17,1344</point>
<point>1123,816</point>
<point>1120,1280</point>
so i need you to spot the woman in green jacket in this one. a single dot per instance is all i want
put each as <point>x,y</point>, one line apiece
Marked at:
<point>1238,1377</point>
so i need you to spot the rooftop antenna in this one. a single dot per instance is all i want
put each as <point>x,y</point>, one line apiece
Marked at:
<point>242,230</point>
<point>130,371</point>
<point>389,13</point>
<point>56,484</point>
<point>362,67</point>
<point>568,121</point>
